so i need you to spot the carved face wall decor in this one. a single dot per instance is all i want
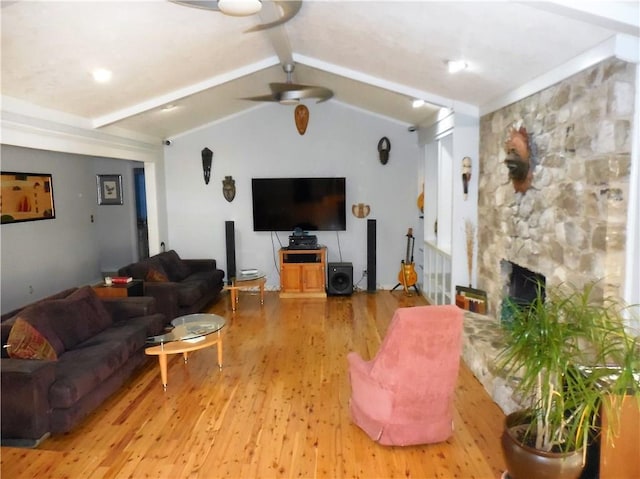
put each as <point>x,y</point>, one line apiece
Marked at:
<point>518,159</point>
<point>229,188</point>
<point>384,147</point>
<point>466,175</point>
<point>301,115</point>
<point>207,158</point>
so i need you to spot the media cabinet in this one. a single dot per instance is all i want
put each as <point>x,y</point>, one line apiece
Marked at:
<point>302,273</point>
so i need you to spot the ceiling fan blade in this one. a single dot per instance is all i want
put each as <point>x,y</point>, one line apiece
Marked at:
<point>289,10</point>
<point>203,4</point>
<point>262,98</point>
<point>321,93</point>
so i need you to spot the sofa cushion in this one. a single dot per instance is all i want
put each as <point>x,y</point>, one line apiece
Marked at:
<point>40,317</point>
<point>25,342</point>
<point>78,316</point>
<point>82,370</point>
<point>176,269</point>
<point>9,319</point>
<point>189,292</point>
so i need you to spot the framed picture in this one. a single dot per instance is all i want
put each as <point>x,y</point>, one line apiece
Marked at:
<point>109,189</point>
<point>26,197</point>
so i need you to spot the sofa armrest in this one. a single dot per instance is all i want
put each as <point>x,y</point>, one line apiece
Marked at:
<point>166,296</point>
<point>130,307</point>
<point>24,389</point>
<point>196,265</point>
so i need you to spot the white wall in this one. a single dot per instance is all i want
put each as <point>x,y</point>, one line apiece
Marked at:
<point>40,258</point>
<point>340,141</point>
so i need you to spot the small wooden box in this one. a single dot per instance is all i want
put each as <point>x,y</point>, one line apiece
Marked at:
<point>134,288</point>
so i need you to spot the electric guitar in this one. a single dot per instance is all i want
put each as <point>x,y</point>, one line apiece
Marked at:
<point>407,275</point>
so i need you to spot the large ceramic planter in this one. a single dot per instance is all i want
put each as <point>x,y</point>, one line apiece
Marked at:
<point>525,462</point>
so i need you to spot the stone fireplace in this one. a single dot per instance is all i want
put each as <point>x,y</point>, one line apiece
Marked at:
<point>570,225</point>
<point>520,288</point>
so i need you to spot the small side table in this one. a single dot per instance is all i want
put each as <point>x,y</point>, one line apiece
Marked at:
<point>134,288</point>
<point>246,281</point>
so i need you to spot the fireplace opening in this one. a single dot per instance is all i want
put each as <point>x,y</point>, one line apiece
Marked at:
<point>521,288</point>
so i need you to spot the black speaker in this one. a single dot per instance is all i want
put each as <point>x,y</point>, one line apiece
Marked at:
<point>230,234</point>
<point>371,256</point>
<point>340,279</point>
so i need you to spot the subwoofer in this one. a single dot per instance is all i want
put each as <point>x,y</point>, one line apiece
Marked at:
<point>340,279</point>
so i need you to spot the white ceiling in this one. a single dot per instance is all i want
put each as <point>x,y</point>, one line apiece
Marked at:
<point>374,55</point>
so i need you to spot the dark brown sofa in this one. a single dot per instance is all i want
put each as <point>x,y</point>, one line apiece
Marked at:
<point>180,286</point>
<point>96,345</point>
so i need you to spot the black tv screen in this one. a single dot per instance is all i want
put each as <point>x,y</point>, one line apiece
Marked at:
<point>310,204</point>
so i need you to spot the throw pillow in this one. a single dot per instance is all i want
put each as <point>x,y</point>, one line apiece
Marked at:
<point>25,342</point>
<point>155,276</point>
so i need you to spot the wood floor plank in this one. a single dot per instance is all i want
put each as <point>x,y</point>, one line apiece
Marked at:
<point>278,408</point>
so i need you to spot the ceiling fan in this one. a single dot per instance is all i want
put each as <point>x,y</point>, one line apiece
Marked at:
<point>242,8</point>
<point>290,93</point>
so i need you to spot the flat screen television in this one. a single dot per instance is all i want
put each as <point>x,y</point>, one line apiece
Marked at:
<point>308,204</point>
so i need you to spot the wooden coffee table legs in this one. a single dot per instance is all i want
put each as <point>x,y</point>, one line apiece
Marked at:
<point>238,285</point>
<point>183,347</point>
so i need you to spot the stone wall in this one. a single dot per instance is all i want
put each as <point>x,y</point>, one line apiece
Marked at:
<point>570,224</point>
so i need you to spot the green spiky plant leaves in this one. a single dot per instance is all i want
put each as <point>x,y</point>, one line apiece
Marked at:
<point>570,351</point>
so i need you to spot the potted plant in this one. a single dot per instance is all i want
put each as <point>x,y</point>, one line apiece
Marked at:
<point>570,353</point>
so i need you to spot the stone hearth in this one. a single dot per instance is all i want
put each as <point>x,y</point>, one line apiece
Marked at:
<point>482,340</point>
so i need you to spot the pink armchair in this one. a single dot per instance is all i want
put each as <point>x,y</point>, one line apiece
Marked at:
<point>404,395</point>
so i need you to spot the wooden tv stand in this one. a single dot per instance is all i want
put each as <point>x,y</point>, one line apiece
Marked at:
<point>302,273</point>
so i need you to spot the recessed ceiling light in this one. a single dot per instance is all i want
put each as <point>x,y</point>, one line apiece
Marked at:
<point>101,75</point>
<point>456,66</point>
<point>417,103</point>
<point>169,107</point>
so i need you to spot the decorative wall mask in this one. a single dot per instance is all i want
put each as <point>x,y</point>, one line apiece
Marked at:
<point>466,175</point>
<point>207,158</point>
<point>360,210</point>
<point>384,147</point>
<point>301,116</point>
<point>229,188</point>
<point>518,159</point>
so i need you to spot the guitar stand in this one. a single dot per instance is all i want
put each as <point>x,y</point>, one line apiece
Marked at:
<point>415,286</point>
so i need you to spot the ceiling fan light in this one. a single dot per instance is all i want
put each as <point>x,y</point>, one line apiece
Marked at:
<point>239,8</point>
<point>289,97</point>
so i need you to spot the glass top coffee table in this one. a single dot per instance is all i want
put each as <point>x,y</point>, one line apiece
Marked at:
<point>190,333</point>
<point>245,280</point>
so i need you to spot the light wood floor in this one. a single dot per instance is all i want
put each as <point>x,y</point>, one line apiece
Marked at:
<point>278,409</point>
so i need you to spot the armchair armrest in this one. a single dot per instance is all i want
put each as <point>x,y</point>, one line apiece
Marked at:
<point>24,389</point>
<point>130,307</point>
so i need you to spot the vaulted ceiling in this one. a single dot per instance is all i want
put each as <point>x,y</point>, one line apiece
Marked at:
<point>374,55</point>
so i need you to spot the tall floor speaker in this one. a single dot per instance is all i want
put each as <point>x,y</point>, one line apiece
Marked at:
<point>230,234</point>
<point>340,279</point>
<point>371,256</point>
